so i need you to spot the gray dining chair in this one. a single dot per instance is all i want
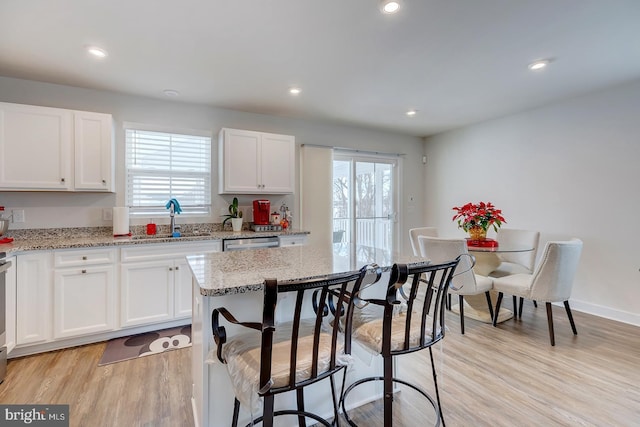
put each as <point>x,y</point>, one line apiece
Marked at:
<point>551,281</point>
<point>420,231</point>
<point>516,262</point>
<point>465,282</point>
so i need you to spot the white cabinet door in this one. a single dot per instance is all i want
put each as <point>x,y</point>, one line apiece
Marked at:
<point>239,161</point>
<point>83,301</point>
<point>94,160</point>
<point>182,287</point>
<point>10,295</point>
<point>33,317</point>
<point>146,292</point>
<point>278,164</point>
<point>35,148</point>
<point>254,162</point>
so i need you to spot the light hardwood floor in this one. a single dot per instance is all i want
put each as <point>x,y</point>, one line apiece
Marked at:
<point>504,376</point>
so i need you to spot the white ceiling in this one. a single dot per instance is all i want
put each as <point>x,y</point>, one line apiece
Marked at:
<point>455,61</point>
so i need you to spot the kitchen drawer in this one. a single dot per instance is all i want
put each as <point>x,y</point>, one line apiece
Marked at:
<point>295,240</point>
<point>80,257</point>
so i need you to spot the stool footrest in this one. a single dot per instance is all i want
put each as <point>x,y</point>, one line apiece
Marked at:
<point>343,398</point>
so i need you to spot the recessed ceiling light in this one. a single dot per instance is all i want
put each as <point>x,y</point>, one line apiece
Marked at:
<point>411,113</point>
<point>389,6</point>
<point>171,93</point>
<point>97,52</point>
<point>539,65</point>
<point>295,91</point>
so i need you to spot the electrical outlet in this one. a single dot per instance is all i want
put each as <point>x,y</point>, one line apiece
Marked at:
<point>18,215</point>
<point>107,214</point>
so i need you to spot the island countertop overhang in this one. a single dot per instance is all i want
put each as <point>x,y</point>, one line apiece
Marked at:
<point>225,273</point>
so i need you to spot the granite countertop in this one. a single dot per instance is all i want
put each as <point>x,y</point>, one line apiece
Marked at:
<point>235,272</point>
<point>87,237</point>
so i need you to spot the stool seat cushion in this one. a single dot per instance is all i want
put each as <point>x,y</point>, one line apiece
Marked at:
<point>242,354</point>
<point>368,331</point>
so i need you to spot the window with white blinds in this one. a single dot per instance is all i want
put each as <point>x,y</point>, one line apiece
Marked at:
<point>162,166</point>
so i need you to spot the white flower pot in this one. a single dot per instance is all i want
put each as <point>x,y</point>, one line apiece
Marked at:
<point>236,224</point>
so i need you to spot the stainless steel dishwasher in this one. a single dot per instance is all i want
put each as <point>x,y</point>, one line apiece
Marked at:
<point>249,243</point>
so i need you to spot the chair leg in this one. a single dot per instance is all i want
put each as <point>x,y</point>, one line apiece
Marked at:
<point>489,304</point>
<point>236,412</point>
<point>550,321</point>
<point>515,308</point>
<point>449,302</point>
<point>388,391</point>
<point>520,309</point>
<point>267,414</point>
<point>497,310</point>
<point>300,399</point>
<point>535,303</point>
<point>461,308</point>
<point>573,325</point>
<point>335,404</point>
<point>435,384</point>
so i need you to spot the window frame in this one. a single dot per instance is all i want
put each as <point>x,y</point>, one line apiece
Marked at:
<point>160,210</point>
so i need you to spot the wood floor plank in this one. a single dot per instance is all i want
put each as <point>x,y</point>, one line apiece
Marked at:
<point>503,376</point>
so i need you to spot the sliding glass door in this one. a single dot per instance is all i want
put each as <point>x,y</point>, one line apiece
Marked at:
<point>365,200</point>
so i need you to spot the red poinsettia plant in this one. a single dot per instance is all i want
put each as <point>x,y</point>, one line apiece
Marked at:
<point>483,215</point>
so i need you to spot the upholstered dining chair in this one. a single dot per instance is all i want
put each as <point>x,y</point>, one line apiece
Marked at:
<point>551,281</point>
<point>275,358</point>
<point>421,231</point>
<point>467,282</point>
<point>516,262</point>
<point>405,326</point>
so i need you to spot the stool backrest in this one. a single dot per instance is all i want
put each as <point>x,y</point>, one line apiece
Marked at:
<point>423,287</point>
<point>330,300</point>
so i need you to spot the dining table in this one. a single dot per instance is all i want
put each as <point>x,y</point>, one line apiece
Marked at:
<point>488,258</point>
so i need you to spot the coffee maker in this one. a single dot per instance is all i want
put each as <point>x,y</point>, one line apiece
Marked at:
<point>261,212</point>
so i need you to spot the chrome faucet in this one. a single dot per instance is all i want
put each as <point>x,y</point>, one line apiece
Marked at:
<point>172,214</point>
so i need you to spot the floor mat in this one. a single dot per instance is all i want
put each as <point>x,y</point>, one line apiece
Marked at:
<point>146,344</point>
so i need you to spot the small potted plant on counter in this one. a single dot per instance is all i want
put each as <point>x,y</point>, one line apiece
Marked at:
<point>235,215</point>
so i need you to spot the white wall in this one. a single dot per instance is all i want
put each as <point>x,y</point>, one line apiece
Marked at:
<point>45,210</point>
<point>569,169</point>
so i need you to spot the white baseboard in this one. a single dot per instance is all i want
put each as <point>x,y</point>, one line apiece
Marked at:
<point>606,312</point>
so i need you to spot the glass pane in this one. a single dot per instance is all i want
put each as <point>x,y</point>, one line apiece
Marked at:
<point>341,201</point>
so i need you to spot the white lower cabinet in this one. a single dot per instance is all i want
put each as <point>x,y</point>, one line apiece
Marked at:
<point>182,288</point>
<point>155,282</point>
<point>33,294</point>
<point>65,297</point>
<point>84,301</point>
<point>146,292</point>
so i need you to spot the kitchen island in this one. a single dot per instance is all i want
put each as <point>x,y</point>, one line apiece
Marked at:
<point>235,280</point>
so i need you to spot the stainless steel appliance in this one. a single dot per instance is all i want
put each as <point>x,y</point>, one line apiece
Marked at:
<point>4,266</point>
<point>250,243</point>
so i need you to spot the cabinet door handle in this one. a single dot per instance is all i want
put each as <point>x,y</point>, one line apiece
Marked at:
<point>84,271</point>
<point>61,179</point>
<point>170,269</point>
<point>177,268</point>
<point>104,181</point>
<point>84,258</point>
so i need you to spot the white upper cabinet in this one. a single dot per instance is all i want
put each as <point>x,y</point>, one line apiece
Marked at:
<point>53,149</point>
<point>94,160</point>
<point>256,162</point>
<point>35,148</point>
